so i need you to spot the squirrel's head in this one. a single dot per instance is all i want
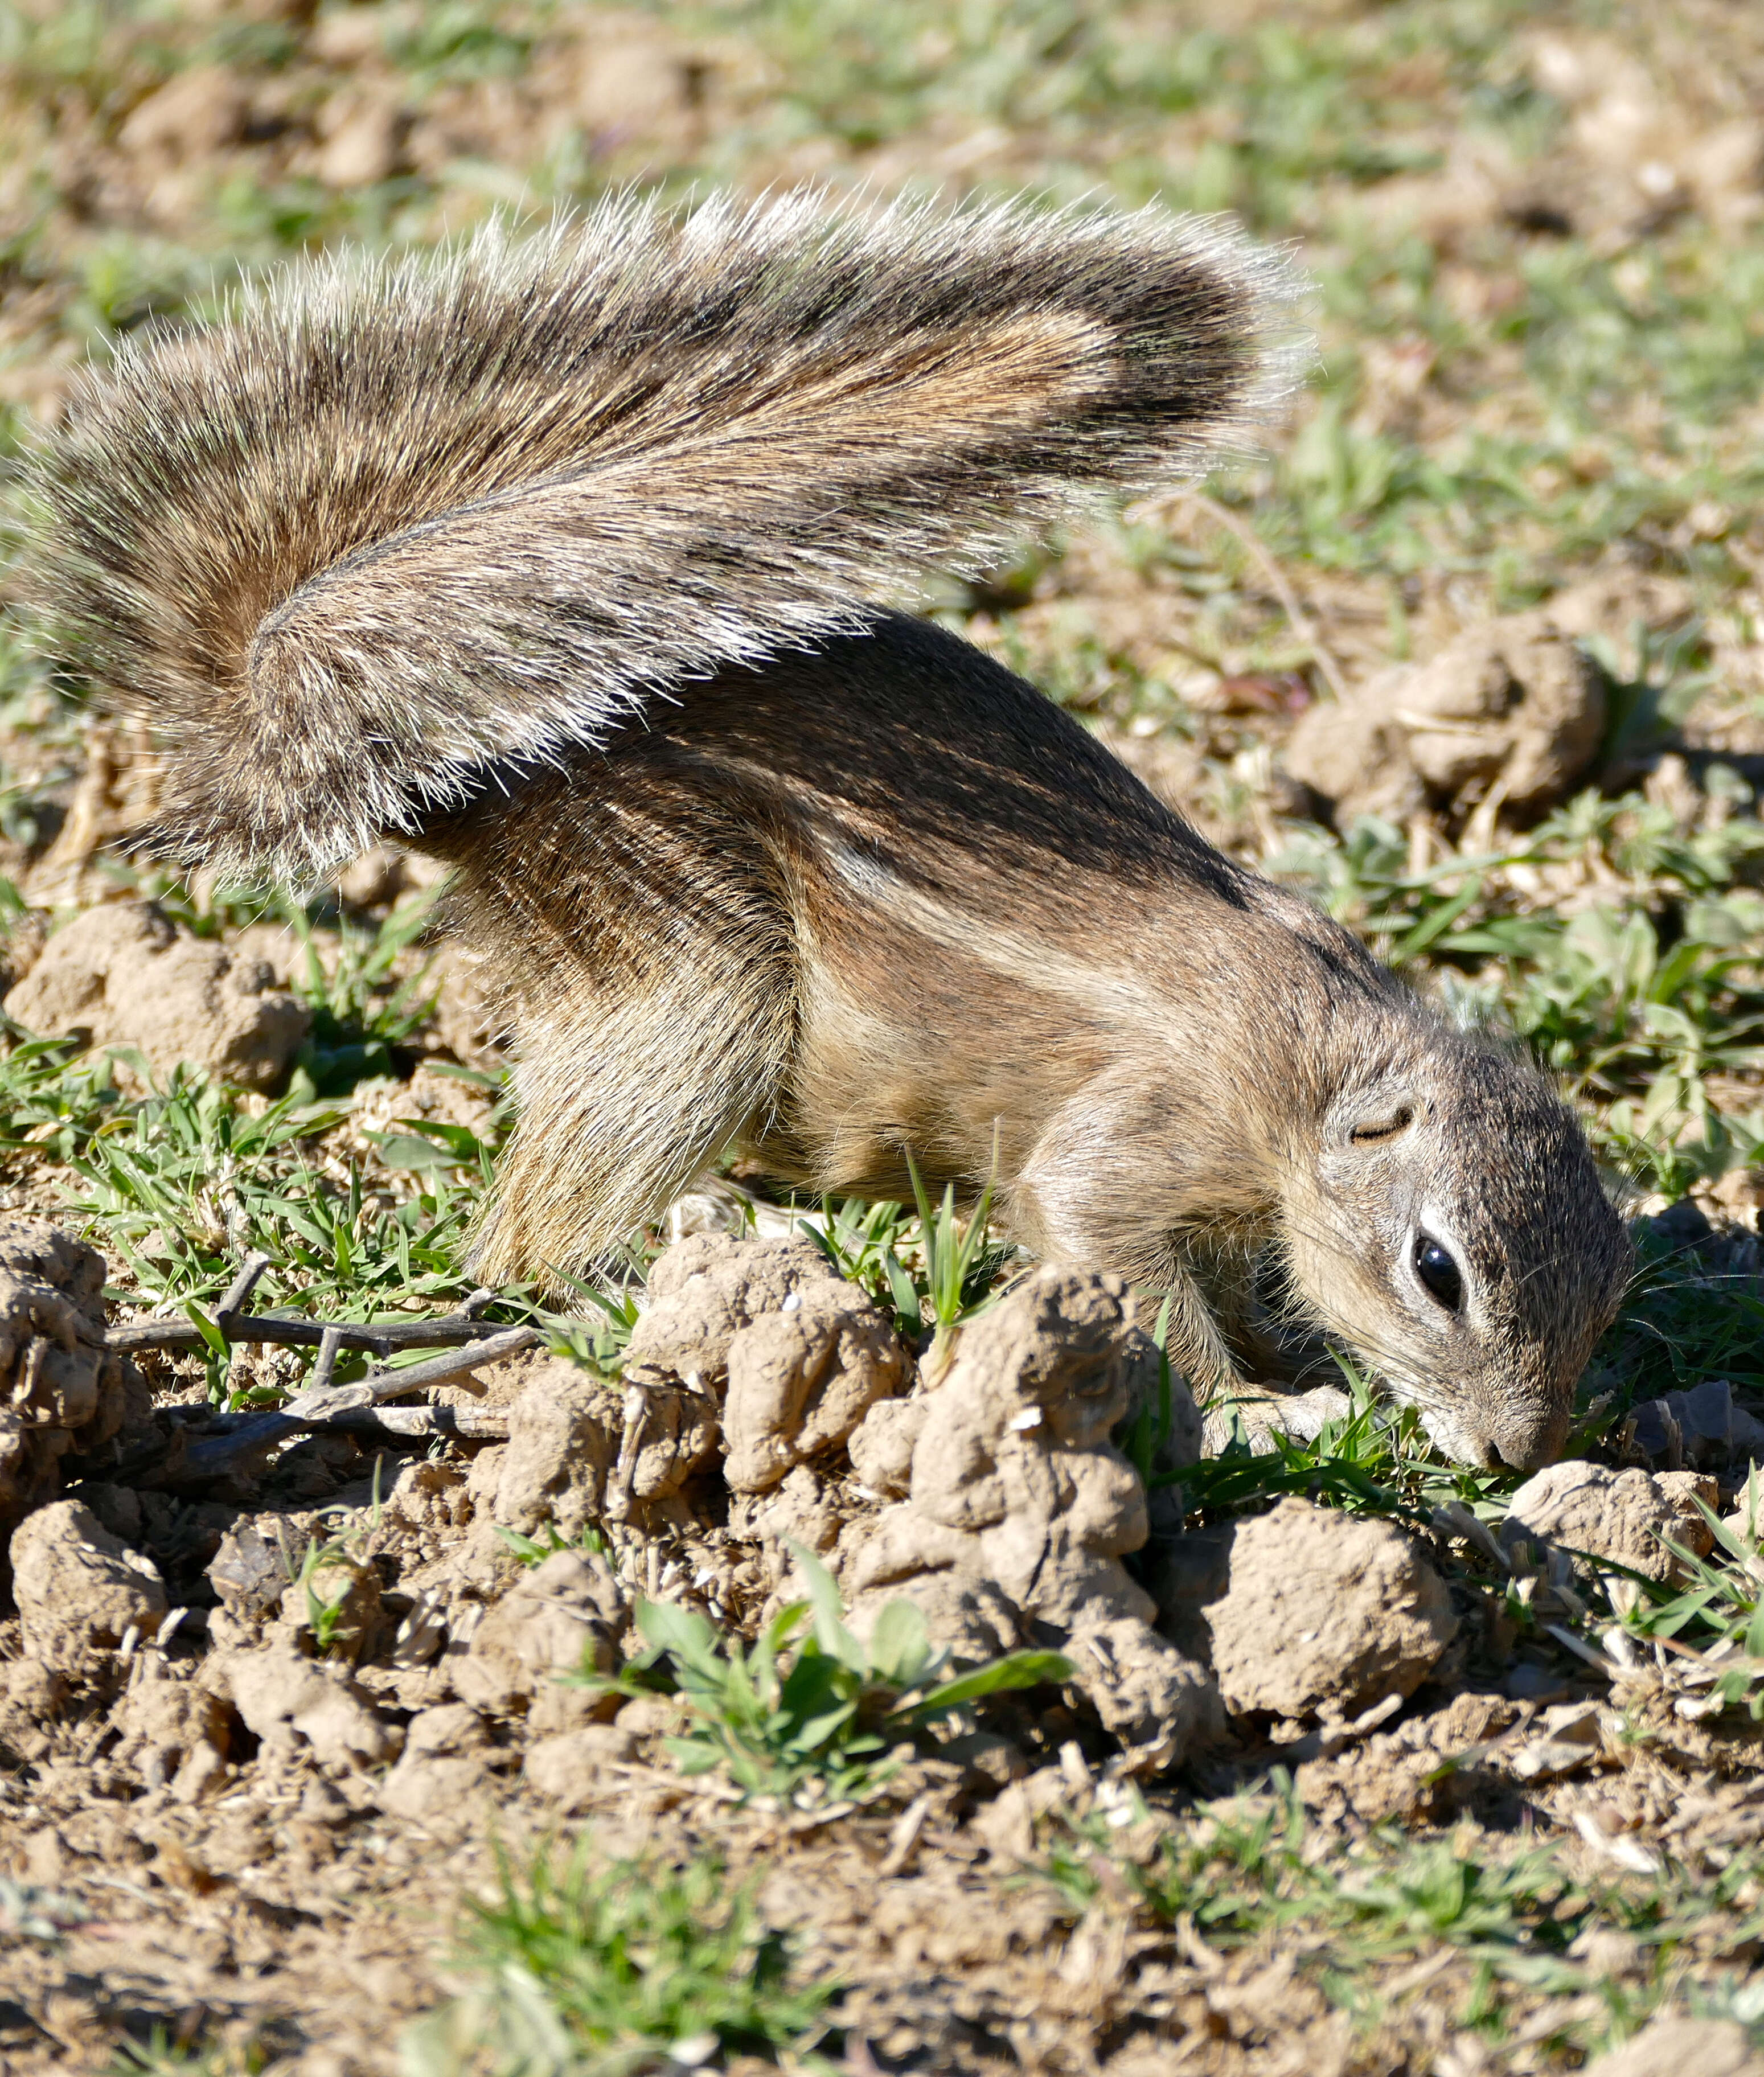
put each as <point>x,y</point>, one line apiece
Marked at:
<point>1448,1223</point>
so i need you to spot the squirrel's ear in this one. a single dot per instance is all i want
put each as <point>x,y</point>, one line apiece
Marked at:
<point>1367,1119</point>
<point>1382,1124</point>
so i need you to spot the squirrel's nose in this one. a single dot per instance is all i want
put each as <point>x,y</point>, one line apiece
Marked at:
<point>1526,1441</point>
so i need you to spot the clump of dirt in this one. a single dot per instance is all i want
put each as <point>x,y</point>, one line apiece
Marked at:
<point>1018,1502</point>
<point>1509,716</point>
<point>1305,1612</point>
<point>127,975</point>
<point>1627,1516</point>
<point>1513,708</point>
<point>566,1616</point>
<point>1628,163</point>
<point>1712,2047</point>
<point>580,1450</point>
<point>295,1705</point>
<point>79,1589</point>
<point>64,1390</point>
<point>796,1355</point>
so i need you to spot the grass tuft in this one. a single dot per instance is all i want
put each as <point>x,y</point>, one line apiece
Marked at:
<point>597,1970</point>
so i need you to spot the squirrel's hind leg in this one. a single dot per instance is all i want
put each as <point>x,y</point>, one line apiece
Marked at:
<point>620,1106</point>
<point>648,958</point>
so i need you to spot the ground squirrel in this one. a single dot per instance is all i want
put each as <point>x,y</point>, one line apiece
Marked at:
<point>570,561</point>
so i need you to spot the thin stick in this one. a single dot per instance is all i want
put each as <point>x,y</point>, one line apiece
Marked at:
<point>471,1424</point>
<point>319,1377</point>
<point>1276,579</point>
<point>132,1336</point>
<point>456,1363</point>
<point>234,1439</point>
<point>241,1287</point>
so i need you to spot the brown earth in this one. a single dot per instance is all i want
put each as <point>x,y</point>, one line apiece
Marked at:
<point>222,1828</point>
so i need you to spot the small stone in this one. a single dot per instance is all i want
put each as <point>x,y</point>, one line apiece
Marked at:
<point>1622,1516</point>
<point>1682,2048</point>
<point>1324,1613</point>
<point>79,1589</point>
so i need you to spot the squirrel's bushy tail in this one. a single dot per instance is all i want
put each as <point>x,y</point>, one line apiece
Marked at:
<point>391,519</point>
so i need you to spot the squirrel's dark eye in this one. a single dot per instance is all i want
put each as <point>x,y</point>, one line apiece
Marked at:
<point>1444,1279</point>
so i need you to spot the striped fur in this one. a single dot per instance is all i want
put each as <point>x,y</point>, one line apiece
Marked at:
<point>394,518</point>
<point>561,559</point>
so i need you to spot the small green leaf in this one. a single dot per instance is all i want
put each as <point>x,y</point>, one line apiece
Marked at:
<point>829,1630</point>
<point>1017,1669</point>
<point>692,1639</point>
<point>902,1291</point>
<point>203,1321</point>
<point>406,1151</point>
<point>899,1647</point>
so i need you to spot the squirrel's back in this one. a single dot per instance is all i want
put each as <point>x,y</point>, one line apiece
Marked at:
<point>390,520</point>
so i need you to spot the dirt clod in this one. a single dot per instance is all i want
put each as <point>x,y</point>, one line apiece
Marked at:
<point>1311,1613</point>
<point>801,1379</point>
<point>563,1615</point>
<point>881,1446</point>
<point>292,1703</point>
<point>61,1389</point>
<point>1620,1515</point>
<point>703,1290</point>
<point>579,1451</point>
<point>796,1355</point>
<point>128,975</point>
<point>1710,2047</point>
<point>175,1733</point>
<point>1016,1490</point>
<point>1515,705</point>
<point>250,1572</point>
<point>80,1590</point>
<point>570,1766</point>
